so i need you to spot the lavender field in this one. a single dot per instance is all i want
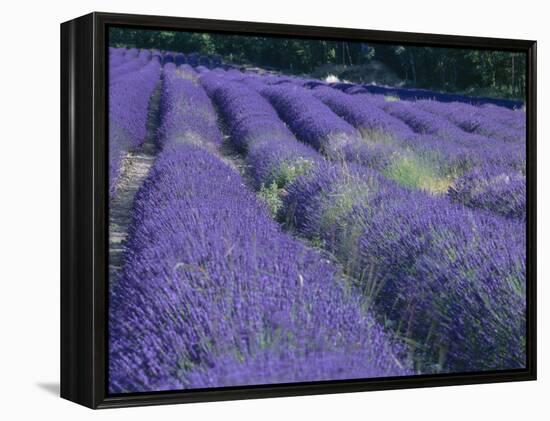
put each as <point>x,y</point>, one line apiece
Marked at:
<point>268,228</point>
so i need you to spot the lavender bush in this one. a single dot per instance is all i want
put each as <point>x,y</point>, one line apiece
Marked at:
<point>475,120</point>
<point>272,152</point>
<point>128,114</point>
<point>311,120</point>
<point>132,64</point>
<point>210,278</point>
<point>187,114</point>
<point>494,188</point>
<point>386,237</point>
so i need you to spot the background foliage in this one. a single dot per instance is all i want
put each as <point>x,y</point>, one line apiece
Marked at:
<point>498,74</point>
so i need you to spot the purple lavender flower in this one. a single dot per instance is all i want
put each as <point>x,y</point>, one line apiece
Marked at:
<point>443,271</point>
<point>279,365</point>
<point>409,94</point>
<point>359,111</point>
<point>216,293</point>
<point>494,188</point>
<point>272,152</point>
<point>208,275</point>
<point>187,113</point>
<point>311,120</point>
<point>128,114</point>
<point>130,65</point>
<point>385,236</point>
<point>477,120</point>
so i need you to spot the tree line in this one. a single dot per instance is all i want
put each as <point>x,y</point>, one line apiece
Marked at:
<point>479,72</point>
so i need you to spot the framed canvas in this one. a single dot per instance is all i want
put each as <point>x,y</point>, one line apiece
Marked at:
<point>257,210</point>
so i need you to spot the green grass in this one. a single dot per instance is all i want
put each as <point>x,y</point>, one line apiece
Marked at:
<point>287,172</point>
<point>414,173</point>
<point>411,170</point>
<point>271,196</point>
<point>341,200</point>
<point>272,192</point>
<point>335,215</point>
<point>377,136</point>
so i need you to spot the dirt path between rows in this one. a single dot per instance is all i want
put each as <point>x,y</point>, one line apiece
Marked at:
<point>135,167</point>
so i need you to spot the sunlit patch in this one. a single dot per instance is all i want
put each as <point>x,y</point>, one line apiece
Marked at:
<point>377,136</point>
<point>412,172</point>
<point>288,171</point>
<point>391,98</point>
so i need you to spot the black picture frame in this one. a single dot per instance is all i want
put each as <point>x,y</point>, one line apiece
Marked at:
<point>84,210</point>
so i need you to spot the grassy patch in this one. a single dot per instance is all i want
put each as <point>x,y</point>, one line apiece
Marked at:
<point>414,173</point>
<point>271,196</point>
<point>343,197</point>
<point>377,136</point>
<point>411,170</point>
<point>287,172</point>
<point>338,225</point>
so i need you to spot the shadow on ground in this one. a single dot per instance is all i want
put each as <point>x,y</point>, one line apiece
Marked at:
<point>51,388</point>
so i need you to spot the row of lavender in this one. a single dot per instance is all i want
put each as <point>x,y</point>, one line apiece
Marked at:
<point>435,164</point>
<point>451,280</point>
<point>133,77</point>
<point>120,56</point>
<point>213,293</point>
<point>476,169</point>
<point>423,94</point>
<point>132,81</point>
<point>474,156</point>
